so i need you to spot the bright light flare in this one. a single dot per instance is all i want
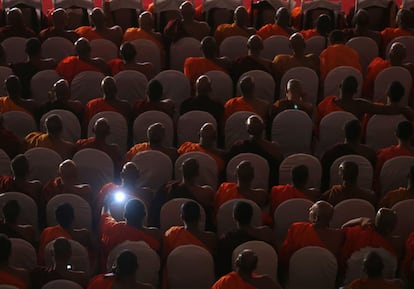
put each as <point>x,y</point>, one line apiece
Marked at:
<point>119,197</point>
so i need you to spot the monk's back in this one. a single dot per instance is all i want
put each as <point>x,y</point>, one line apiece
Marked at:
<point>332,238</point>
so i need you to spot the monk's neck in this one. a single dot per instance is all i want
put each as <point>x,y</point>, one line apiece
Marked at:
<point>206,144</point>
<point>301,188</point>
<point>299,54</point>
<point>350,185</point>
<point>155,145</point>
<point>188,182</point>
<point>321,225</point>
<point>191,227</point>
<point>244,186</point>
<point>405,144</point>
<point>100,139</point>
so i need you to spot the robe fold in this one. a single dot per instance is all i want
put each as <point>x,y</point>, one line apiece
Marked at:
<point>269,30</point>
<point>178,236</point>
<point>232,281</point>
<point>194,67</point>
<point>282,193</point>
<point>236,104</point>
<point>6,105</point>
<point>374,68</point>
<point>196,147</point>
<point>70,66</point>
<point>226,30</point>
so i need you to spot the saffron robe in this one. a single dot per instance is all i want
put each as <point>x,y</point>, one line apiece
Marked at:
<point>6,105</point>
<point>70,66</point>
<point>269,30</point>
<point>236,104</point>
<point>395,196</point>
<point>232,281</point>
<point>196,147</point>
<point>282,193</point>
<point>194,67</point>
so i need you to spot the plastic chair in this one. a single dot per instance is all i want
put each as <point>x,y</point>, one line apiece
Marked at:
<point>39,168</point>
<point>313,164</point>
<point>170,214</point>
<point>144,120</point>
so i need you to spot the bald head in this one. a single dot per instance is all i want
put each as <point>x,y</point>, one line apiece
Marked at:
<point>126,264</point>
<point>129,173</point>
<point>187,10</point>
<point>255,126</point>
<point>247,86</point>
<point>321,213</point>
<point>282,17</point>
<point>59,18</point>
<point>62,250</point>
<point>61,89</point>
<point>349,87</point>
<point>54,125</point>
<point>101,128</point>
<point>98,17</point>
<point>109,88</point>
<point>361,18</point>
<point>405,19</point>
<point>13,86</point>
<point>68,172</point>
<point>209,47</point>
<point>156,133</point>
<point>246,262</point>
<point>349,171</point>
<point>203,86</point>
<point>208,133</point>
<point>15,17</point>
<point>83,48</point>
<point>297,43</point>
<point>190,169</point>
<point>20,166</point>
<point>336,37</point>
<point>385,221</point>
<point>397,53</point>
<point>294,89</point>
<point>135,212</point>
<point>255,44</point>
<point>146,21</point>
<point>245,172</point>
<point>128,52</point>
<point>323,24</point>
<point>241,16</point>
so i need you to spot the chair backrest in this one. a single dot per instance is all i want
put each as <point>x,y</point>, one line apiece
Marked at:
<point>366,48</point>
<point>71,126</point>
<point>94,168</point>
<point>208,173</point>
<point>175,86</point>
<point>41,84</point>
<point>81,208</point>
<point>155,168</point>
<point>316,45</point>
<point>170,214</point>
<point>304,272</point>
<point>4,73</point>
<point>190,123</point>
<point>404,210</point>
<point>267,257</point>
<point>181,50</point>
<point>118,128</point>
<point>23,254</point>
<point>57,48</point>
<point>313,164</point>
<point>408,42</point>
<point>148,51</point>
<point>380,132</point>
<point>309,81</point>
<point>235,127</point>
<point>19,122</point>
<point>335,77</point>
<point>39,169</point>
<point>225,220</point>
<point>234,47</point>
<point>5,169</point>
<point>144,120</point>
<point>131,85</point>
<point>386,77</point>
<point>292,130</point>
<point>104,48</point>
<point>276,45</point>
<point>27,205</point>
<point>287,213</point>
<point>14,47</point>
<point>62,284</point>
<point>365,175</point>
<point>86,86</point>
<point>149,262</point>
<point>182,260</point>
<point>79,259</point>
<point>260,165</point>
<point>221,86</point>
<point>70,3</point>
<point>351,209</point>
<point>394,173</point>
<point>264,84</point>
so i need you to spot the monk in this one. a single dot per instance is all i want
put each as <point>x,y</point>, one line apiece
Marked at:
<point>123,276</point>
<point>156,136</point>
<point>10,227</point>
<point>9,142</point>
<point>14,101</point>
<point>396,55</point>
<point>59,98</point>
<point>361,29</point>
<point>242,188</point>
<point>284,62</point>
<point>294,99</point>
<point>127,61</point>
<point>19,182</point>
<point>65,216</point>
<point>400,194</point>
<point>323,25</point>
<point>70,66</point>
<point>52,139</point>
<point>362,232</point>
<point>297,190</point>
<point>108,102</point>
<point>186,25</point>
<point>114,233</point>
<point>10,275</point>
<point>349,188</point>
<point>373,267</point>
<point>58,29</point>
<point>190,233</point>
<point>280,27</point>
<point>253,60</point>
<point>194,67</point>
<point>62,253</point>
<point>207,145</point>
<point>245,231</point>
<point>240,26</point>
<point>202,100</point>
<point>66,183</point>
<point>337,54</point>
<point>248,101</point>
<point>407,269</point>
<point>315,233</point>
<point>154,100</point>
<point>405,22</point>
<point>100,29</point>
<point>16,26</point>
<point>101,129</point>
<point>34,63</point>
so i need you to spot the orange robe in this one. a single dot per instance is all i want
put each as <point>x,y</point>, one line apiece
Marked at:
<point>48,235</point>
<point>337,55</point>
<point>226,30</point>
<point>117,65</point>
<point>283,193</point>
<point>325,107</point>
<point>6,105</point>
<point>234,105</point>
<point>395,196</point>
<point>178,236</point>
<point>196,147</point>
<point>194,67</point>
<point>232,281</point>
<point>88,32</point>
<point>388,153</point>
<point>95,106</point>
<point>70,66</point>
<point>388,34</point>
<point>133,33</point>
<point>101,282</point>
<point>8,279</point>
<point>38,139</point>
<point>140,147</point>
<point>270,30</point>
<point>374,68</point>
<point>309,33</point>
<point>300,235</point>
<point>226,192</point>
<point>408,256</point>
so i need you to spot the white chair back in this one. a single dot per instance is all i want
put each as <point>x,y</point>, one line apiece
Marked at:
<point>235,128</point>
<point>181,50</point>
<point>79,259</point>
<point>404,210</point>
<point>190,123</point>
<point>19,122</point>
<point>62,284</point>
<point>148,51</point>
<point>144,120</point>
<point>234,47</point>
<point>351,209</point>
<point>313,164</point>
<point>42,170</point>
<point>28,208</point>
<point>23,254</point>
<point>4,164</point>
<point>221,85</point>
<point>104,48</point>
<point>41,84</point>
<point>386,77</point>
<point>394,173</point>
<point>176,86</point>
<point>86,86</point>
<point>170,214</point>
<point>14,47</point>
<point>57,48</point>
<point>71,126</point>
<point>381,129</point>
<point>366,48</point>
<point>316,44</point>
<point>365,175</point>
<point>309,81</point>
<point>335,77</point>
<point>275,45</point>
<point>131,85</point>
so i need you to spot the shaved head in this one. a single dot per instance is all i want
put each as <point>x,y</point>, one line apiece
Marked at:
<point>255,125</point>
<point>98,17</point>
<point>397,53</point>
<point>130,173</point>
<point>245,171</point>
<point>101,128</point>
<point>203,85</point>
<point>246,261</point>
<point>61,89</point>
<point>156,133</point>
<point>209,47</point>
<point>282,17</point>
<point>146,20</point>
<point>294,89</point>
<point>255,43</point>
<point>62,249</point>
<point>15,17</point>
<point>208,131</point>
<point>241,16</point>
<point>385,221</point>
<point>190,169</point>
<point>83,47</point>
<point>109,88</point>
<point>59,18</point>
<point>321,213</point>
<point>54,125</point>
<point>187,10</point>
<point>349,171</point>
<point>68,172</point>
<point>297,43</point>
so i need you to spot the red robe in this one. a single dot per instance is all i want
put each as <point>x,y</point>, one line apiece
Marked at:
<point>335,56</point>
<point>408,256</point>
<point>232,281</point>
<point>194,67</point>
<point>70,66</point>
<point>196,147</point>
<point>283,193</point>
<point>140,147</point>
<point>48,235</point>
<point>389,33</point>
<point>269,30</point>
<point>178,236</point>
<point>236,104</point>
<point>8,279</point>
<point>374,68</point>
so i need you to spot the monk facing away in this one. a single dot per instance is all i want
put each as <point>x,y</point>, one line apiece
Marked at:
<point>14,101</point>
<point>10,226</point>
<point>145,31</point>
<point>361,29</point>
<point>244,277</point>
<point>58,29</point>
<point>15,27</point>
<point>405,27</point>
<point>400,194</point>
<point>9,142</point>
<point>123,275</point>
<point>280,27</point>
